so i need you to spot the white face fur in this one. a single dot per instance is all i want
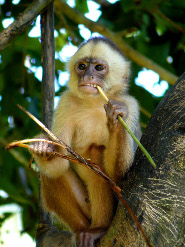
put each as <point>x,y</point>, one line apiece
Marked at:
<point>118,66</point>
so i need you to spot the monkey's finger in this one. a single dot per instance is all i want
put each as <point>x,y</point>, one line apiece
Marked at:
<point>39,149</point>
<point>91,243</point>
<point>108,112</point>
<point>36,148</point>
<point>80,239</point>
<point>110,109</point>
<point>118,112</point>
<point>105,107</point>
<point>32,147</point>
<point>86,240</point>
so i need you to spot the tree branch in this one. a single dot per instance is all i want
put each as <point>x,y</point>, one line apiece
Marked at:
<point>48,64</point>
<point>48,92</point>
<point>131,53</point>
<point>103,2</point>
<point>157,13</point>
<point>22,22</point>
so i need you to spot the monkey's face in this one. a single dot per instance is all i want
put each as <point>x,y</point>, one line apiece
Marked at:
<point>91,73</point>
<point>97,63</point>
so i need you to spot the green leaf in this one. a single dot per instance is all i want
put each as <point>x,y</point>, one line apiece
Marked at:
<point>127,5</point>
<point>82,6</point>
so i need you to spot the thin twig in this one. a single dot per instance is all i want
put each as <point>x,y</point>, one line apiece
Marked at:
<point>21,143</point>
<point>157,13</point>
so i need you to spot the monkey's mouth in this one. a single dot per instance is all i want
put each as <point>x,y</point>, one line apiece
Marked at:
<point>89,88</point>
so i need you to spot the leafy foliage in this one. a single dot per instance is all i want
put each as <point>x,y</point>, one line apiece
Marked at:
<point>154,28</point>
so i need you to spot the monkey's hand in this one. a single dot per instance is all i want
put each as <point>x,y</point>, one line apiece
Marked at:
<point>89,238</point>
<point>113,110</point>
<point>42,150</point>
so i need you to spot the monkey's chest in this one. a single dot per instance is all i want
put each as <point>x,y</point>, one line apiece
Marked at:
<point>91,130</point>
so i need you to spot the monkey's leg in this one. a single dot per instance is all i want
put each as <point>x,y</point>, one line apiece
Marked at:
<point>100,194</point>
<point>102,210</point>
<point>67,198</point>
<point>102,201</point>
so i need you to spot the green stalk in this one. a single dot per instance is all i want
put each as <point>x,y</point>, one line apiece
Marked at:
<point>130,132</point>
<point>137,141</point>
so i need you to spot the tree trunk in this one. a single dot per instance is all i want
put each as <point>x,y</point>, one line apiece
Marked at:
<point>157,196</point>
<point>48,94</point>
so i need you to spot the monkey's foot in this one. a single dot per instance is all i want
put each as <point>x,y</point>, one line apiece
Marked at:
<point>89,238</point>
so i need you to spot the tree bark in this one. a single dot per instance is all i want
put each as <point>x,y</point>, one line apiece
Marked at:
<point>48,65</point>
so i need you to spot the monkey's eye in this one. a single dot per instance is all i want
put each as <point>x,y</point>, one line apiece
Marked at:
<point>99,67</point>
<point>82,66</point>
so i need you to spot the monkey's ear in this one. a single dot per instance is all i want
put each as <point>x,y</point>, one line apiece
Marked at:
<point>126,79</point>
<point>128,72</point>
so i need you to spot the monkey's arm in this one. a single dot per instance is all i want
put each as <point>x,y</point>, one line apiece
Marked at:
<point>48,164</point>
<point>62,191</point>
<point>63,128</point>
<point>119,152</point>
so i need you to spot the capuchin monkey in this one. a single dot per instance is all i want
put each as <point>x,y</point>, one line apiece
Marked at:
<point>90,126</point>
